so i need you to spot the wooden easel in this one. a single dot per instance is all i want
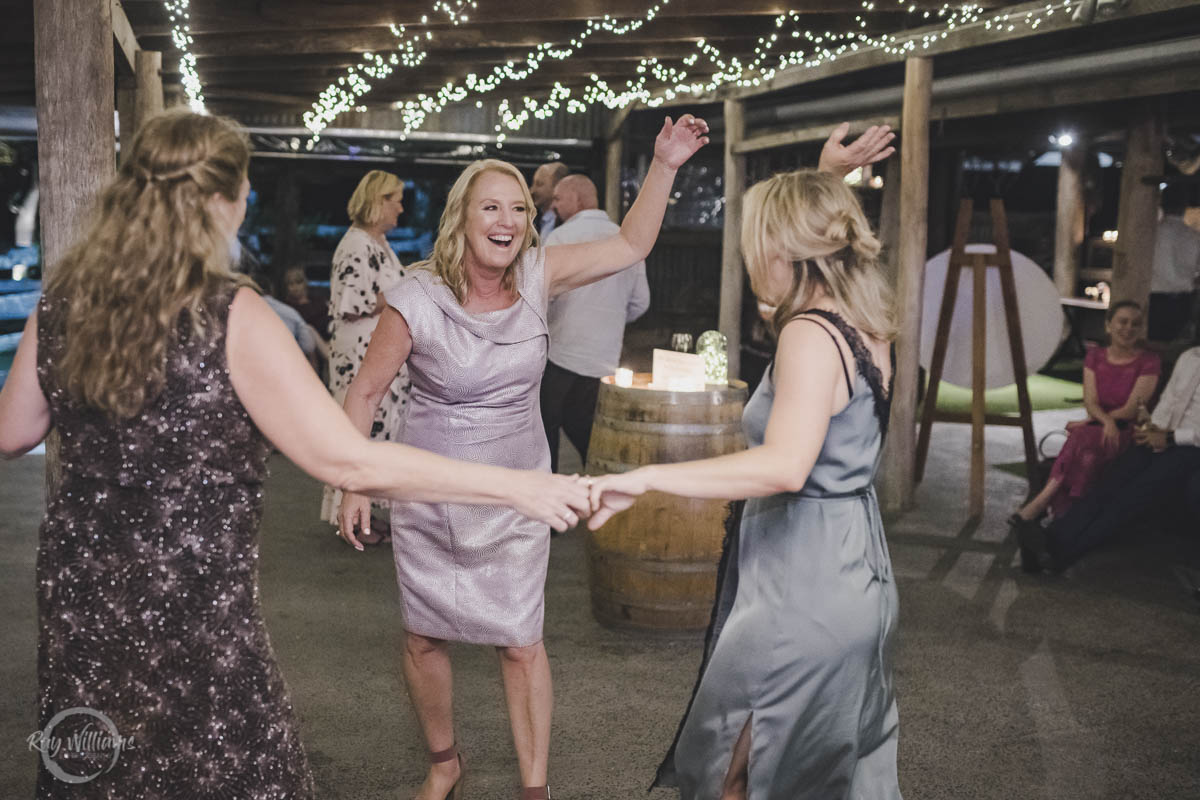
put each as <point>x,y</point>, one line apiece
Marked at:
<point>978,263</point>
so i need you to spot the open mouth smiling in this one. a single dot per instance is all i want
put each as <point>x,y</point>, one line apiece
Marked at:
<point>501,239</point>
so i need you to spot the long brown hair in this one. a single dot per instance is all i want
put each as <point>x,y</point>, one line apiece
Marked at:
<point>150,250</point>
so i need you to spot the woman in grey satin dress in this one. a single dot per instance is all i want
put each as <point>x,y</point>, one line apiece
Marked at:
<point>471,324</point>
<point>796,699</point>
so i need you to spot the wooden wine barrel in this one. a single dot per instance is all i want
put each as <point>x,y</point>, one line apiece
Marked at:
<point>654,567</point>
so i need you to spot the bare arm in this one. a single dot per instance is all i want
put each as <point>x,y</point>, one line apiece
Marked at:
<point>1143,390</point>
<point>293,409</point>
<point>1091,401</point>
<point>389,348</point>
<point>809,390</point>
<point>24,412</point>
<point>569,266</point>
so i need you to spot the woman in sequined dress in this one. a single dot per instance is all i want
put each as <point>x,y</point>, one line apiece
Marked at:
<point>471,325</point>
<point>165,377</point>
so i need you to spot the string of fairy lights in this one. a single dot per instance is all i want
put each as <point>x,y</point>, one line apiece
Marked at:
<point>790,44</point>
<point>181,35</point>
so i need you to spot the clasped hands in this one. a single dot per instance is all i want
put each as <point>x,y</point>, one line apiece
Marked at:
<point>595,498</point>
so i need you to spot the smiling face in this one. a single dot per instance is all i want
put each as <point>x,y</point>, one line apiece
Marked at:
<point>1125,327</point>
<point>496,219</point>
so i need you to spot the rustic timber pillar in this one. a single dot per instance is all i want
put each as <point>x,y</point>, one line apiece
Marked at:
<point>896,478</point>
<point>732,280</point>
<point>149,98</point>
<point>1137,214</point>
<point>126,94</point>
<point>73,55</point>
<point>889,218</point>
<point>1068,228</point>
<point>614,156</point>
<point>74,69</point>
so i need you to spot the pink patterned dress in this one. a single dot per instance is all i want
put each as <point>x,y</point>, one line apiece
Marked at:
<point>1084,455</point>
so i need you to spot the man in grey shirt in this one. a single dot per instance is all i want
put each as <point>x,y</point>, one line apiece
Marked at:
<point>587,325</point>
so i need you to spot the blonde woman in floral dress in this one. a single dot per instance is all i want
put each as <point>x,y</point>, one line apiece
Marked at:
<point>364,266</point>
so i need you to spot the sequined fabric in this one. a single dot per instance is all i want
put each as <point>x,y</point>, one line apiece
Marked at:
<point>147,590</point>
<point>474,573</point>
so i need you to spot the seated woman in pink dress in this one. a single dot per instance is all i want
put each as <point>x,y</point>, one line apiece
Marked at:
<point>1116,380</point>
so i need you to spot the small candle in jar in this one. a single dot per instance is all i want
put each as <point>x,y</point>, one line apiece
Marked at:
<point>623,378</point>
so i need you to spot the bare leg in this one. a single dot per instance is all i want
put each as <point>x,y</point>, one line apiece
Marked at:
<point>431,689</point>
<point>738,778</point>
<point>527,688</point>
<point>1034,508</point>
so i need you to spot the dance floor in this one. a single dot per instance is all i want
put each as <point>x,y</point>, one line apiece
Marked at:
<point>1010,686</point>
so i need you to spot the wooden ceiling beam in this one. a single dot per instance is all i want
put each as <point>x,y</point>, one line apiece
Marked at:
<point>500,35</point>
<point>230,16</point>
<point>477,59</point>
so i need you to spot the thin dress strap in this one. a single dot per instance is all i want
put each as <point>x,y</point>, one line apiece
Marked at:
<point>837,345</point>
<point>865,364</point>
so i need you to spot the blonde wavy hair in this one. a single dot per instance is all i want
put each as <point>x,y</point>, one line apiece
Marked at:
<point>364,205</point>
<point>447,261</point>
<point>813,221</point>
<point>150,250</point>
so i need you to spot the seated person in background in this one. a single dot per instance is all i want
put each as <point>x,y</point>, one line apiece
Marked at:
<point>1165,467</point>
<point>1116,380</point>
<point>314,310</point>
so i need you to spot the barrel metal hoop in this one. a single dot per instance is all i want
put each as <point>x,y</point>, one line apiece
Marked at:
<point>670,428</point>
<point>657,566</point>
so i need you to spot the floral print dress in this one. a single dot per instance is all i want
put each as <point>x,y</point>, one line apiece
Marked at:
<point>362,268</point>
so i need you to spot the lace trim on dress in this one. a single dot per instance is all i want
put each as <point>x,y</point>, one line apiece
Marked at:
<point>864,364</point>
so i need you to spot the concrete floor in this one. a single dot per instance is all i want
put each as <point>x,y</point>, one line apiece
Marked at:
<point>1086,686</point>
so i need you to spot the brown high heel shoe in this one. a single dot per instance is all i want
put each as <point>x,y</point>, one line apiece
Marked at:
<point>450,754</point>
<point>535,793</point>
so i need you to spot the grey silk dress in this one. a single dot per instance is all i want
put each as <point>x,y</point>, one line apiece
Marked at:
<point>472,573</point>
<point>801,641</point>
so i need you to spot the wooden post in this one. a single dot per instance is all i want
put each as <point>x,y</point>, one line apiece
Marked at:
<point>149,99</point>
<point>126,95</point>
<point>732,279</point>
<point>1068,229</point>
<point>1137,214</point>
<point>74,69</point>
<point>614,158</point>
<point>615,155</point>
<point>73,54</point>
<point>896,479</point>
<point>978,382</point>
<point>889,218</point>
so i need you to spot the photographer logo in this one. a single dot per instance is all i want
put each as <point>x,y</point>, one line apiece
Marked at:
<point>79,744</point>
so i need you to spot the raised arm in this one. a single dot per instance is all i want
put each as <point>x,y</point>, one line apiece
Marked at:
<point>572,265</point>
<point>293,409</point>
<point>809,390</point>
<point>24,412</point>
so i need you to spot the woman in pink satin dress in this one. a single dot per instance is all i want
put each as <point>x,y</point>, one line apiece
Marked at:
<point>1116,380</point>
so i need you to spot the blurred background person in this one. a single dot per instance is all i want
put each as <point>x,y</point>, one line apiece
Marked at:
<point>545,178</point>
<point>364,267</point>
<point>587,325</point>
